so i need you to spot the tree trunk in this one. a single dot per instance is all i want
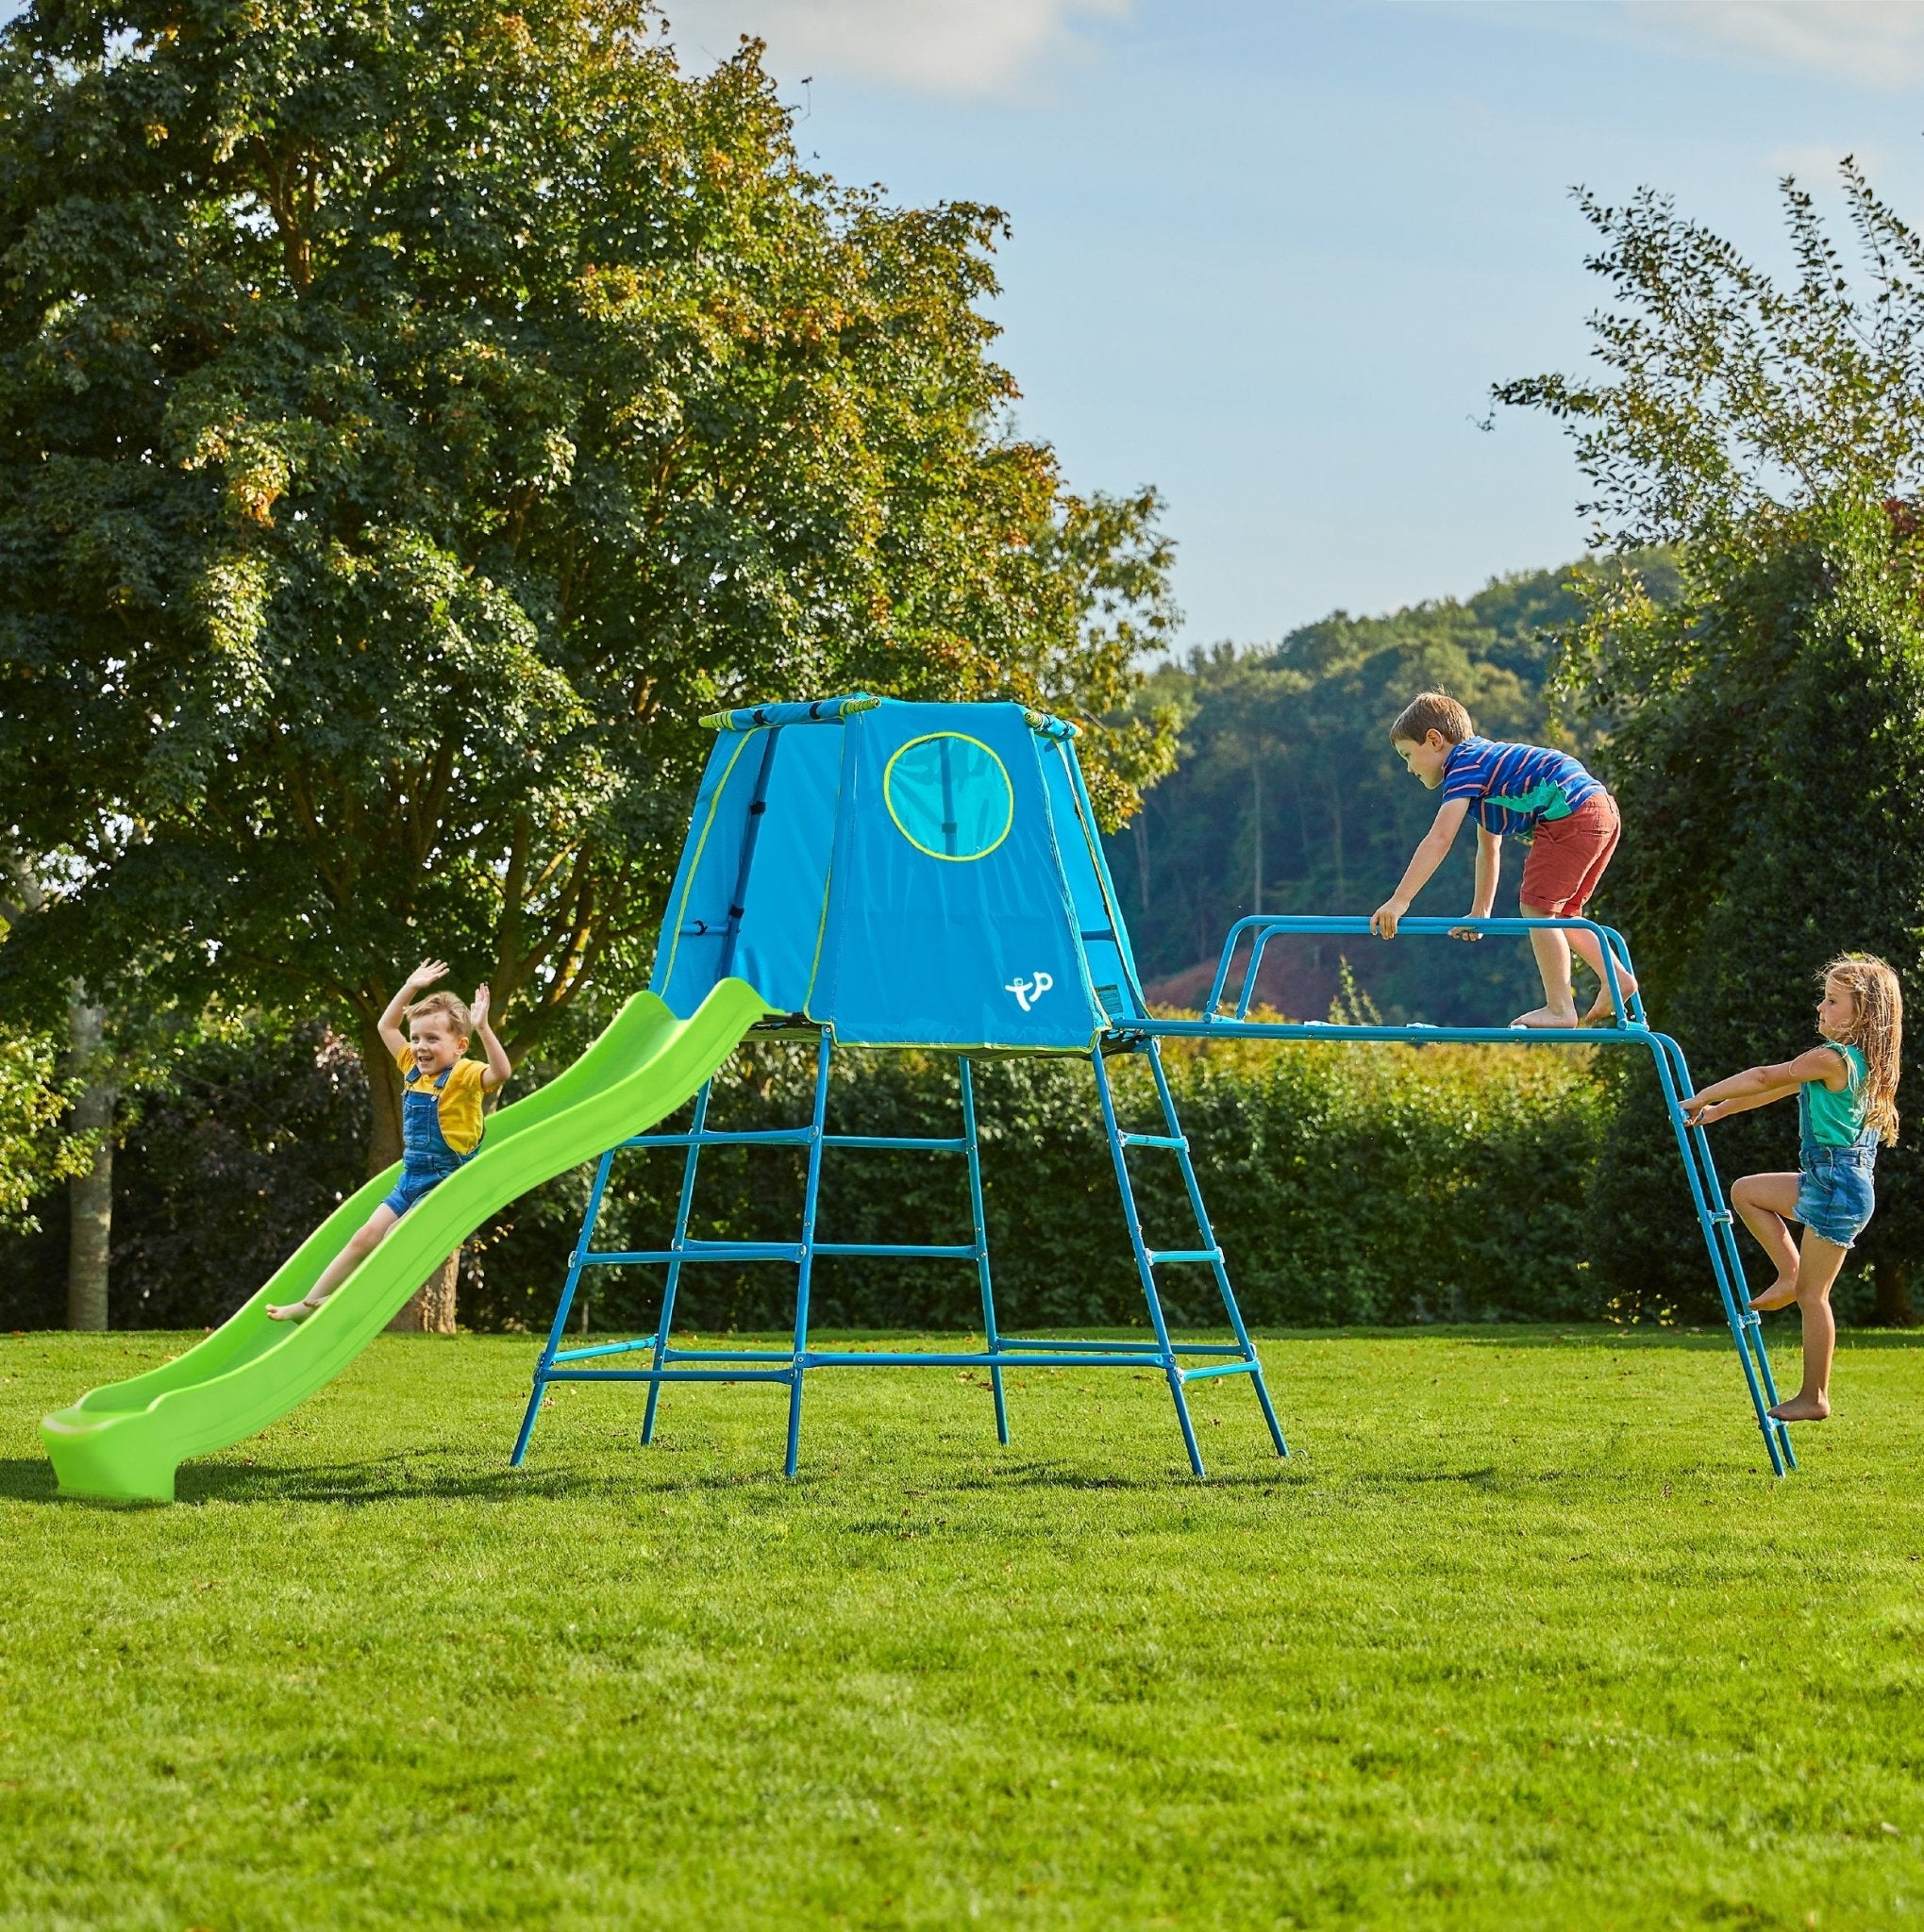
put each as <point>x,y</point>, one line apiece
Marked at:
<point>89,1195</point>
<point>429,1310</point>
<point>1891,1283</point>
<point>384,1097</point>
<point>1336,844</point>
<point>1256,821</point>
<point>1143,855</point>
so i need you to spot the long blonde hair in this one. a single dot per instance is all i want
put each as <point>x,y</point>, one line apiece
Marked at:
<point>1878,1034</point>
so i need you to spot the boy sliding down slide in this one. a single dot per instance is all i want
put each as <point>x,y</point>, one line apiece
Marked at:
<point>441,1112</point>
<point>1543,799</point>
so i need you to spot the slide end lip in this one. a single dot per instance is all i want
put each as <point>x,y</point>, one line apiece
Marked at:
<point>81,1451</point>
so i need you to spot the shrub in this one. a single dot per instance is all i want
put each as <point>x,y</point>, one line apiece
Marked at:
<point>1347,1183</point>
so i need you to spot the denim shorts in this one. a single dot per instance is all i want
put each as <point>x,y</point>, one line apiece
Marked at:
<point>413,1184</point>
<point>1835,1193</point>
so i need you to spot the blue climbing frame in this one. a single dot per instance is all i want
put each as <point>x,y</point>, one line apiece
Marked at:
<point>1632,1030</point>
<point>1181,1362</point>
<point>1178,1360</point>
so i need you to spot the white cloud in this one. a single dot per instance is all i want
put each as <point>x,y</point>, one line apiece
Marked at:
<point>1878,43</point>
<point>966,47</point>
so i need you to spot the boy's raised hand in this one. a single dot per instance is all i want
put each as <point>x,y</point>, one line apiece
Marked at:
<point>478,1005</point>
<point>427,973</point>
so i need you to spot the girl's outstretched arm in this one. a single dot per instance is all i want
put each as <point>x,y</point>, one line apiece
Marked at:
<point>1760,1086</point>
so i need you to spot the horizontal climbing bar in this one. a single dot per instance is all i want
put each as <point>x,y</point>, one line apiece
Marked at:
<point>795,1136</point>
<point>668,1374</point>
<point>865,1358</point>
<point>1176,1142</point>
<point>678,1355</point>
<point>895,1141</point>
<point>948,1252</point>
<point>757,1137</point>
<point>1158,1255</point>
<point>1147,1348</point>
<point>1261,928</point>
<point>1330,1029</point>
<point>697,1251</point>
<point>1238,1368</point>
<point>983,1358</point>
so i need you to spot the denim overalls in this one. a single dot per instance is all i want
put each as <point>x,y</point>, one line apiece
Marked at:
<point>1835,1192</point>
<point>426,1159</point>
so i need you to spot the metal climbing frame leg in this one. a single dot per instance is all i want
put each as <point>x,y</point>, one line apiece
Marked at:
<point>992,1341</point>
<point>806,1267</point>
<point>1179,1142</point>
<point>1714,1218</point>
<point>1145,1266</point>
<point>679,1242</point>
<point>559,1326</point>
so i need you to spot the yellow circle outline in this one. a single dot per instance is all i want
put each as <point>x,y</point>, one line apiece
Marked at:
<point>1008,789</point>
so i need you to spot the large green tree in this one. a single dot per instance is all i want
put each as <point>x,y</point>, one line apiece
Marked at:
<point>413,417</point>
<point>1768,733</point>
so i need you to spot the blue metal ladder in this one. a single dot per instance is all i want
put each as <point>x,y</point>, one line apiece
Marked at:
<point>599,1362</point>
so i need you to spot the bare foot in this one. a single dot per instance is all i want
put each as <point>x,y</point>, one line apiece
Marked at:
<point>1803,1409</point>
<point>1780,1294</point>
<point>1547,1016</point>
<point>292,1311</point>
<point>1603,1009</point>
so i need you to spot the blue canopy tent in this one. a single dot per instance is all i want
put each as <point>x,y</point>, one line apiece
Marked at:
<point>903,875</point>
<point>896,874</point>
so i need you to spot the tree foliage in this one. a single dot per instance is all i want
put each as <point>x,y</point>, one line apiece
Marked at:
<point>1767,726</point>
<point>412,419</point>
<point>34,1152</point>
<point>1724,399</point>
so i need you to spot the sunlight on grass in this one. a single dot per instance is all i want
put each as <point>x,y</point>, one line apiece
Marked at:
<point>1523,1634</point>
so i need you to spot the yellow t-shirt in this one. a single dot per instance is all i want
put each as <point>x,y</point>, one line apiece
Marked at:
<point>458,1104</point>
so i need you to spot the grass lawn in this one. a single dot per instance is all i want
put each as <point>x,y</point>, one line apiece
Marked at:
<point>1523,1634</point>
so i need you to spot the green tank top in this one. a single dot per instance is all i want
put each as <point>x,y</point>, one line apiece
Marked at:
<point>1837,1119</point>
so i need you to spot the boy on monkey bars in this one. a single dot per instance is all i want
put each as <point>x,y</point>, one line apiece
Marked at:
<point>1544,800</point>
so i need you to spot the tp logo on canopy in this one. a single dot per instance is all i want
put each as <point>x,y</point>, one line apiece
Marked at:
<point>1028,992</point>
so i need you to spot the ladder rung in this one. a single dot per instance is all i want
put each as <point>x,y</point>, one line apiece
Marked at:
<point>1177,1143</point>
<point>1218,1368</point>
<point>893,1140</point>
<point>1158,1255</point>
<point>943,1252</point>
<point>699,1251</point>
<point>1724,1216</point>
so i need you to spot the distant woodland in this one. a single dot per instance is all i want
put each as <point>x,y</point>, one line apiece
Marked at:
<point>1287,798</point>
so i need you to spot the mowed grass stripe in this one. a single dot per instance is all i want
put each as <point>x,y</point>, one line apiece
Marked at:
<point>1523,1633</point>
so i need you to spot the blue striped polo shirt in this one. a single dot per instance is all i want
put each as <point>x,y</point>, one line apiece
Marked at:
<point>1513,788</point>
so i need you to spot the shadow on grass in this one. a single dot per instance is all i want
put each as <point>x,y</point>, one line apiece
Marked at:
<point>410,1477</point>
<point>1500,1334</point>
<point>27,1479</point>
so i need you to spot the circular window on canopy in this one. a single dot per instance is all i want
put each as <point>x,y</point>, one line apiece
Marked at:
<point>950,796</point>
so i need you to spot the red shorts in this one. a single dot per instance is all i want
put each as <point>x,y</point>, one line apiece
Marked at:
<point>1569,857</point>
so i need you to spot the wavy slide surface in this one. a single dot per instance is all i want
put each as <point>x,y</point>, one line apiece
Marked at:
<point>125,1442</point>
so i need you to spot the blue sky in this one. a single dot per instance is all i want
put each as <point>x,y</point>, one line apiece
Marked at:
<point>1270,258</point>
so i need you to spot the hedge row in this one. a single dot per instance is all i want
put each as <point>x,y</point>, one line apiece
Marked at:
<point>1345,1184</point>
<point>1348,1184</point>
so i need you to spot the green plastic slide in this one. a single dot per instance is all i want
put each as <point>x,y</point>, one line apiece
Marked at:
<point>125,1442</point>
